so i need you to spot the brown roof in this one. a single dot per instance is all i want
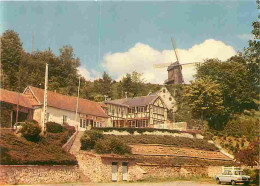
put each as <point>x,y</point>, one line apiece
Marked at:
<point>13,97</point>
<point>166,150</point>
<point>68,102</point>
<point>134,102</point>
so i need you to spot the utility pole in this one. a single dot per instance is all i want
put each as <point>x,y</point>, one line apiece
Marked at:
<point>44,118</point>
<point>77,102</point>
<point>32,43</point>
<point>173,113</point>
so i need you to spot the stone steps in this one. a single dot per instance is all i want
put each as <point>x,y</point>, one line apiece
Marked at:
<point>75,150</point>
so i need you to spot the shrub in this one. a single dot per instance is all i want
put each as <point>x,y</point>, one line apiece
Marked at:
<point>30,131</point>
<point>111,145</point>
<point>53,127</point>
<point>88,140</point>
<point>254,175</point>
<point>71,129</point>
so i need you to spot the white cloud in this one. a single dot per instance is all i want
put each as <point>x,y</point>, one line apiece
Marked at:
<point>141,58</point>
<point>246,36</point>
<point>89,75</point>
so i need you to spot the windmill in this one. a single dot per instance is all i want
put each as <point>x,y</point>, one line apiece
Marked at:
<point>174,69</point>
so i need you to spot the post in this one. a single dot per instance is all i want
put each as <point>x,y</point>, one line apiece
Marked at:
<point>77,102</point>
<point>44,119</point>
<point>17,108</point>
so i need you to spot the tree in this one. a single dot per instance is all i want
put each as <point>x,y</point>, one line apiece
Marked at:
<point>206,100</point>
<point>234,80</point>
<point>11,54</point>
<point>252,54</point>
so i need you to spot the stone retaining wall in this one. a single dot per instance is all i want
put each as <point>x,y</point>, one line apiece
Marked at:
<point>35,174</point>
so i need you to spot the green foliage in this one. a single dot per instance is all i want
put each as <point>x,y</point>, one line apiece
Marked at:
<point>11,59</point>
<point>254,175</point>
<point>47,151</point>
<point>53,127</point>
<point>205,99</point>
<point>243,125</point>
<point>235,83</point>
<point>111,145</point>
<point>30,131</point>
<point>252,54</point>
<point>89,139</point>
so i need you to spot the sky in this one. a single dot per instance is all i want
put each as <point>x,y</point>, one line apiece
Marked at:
<point>124,36</point>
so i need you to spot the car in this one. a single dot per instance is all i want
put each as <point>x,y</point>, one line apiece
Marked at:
<point>17,126</point>
<point>232,175</point>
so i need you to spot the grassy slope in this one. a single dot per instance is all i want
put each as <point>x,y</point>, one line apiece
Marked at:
<point>17,150</point>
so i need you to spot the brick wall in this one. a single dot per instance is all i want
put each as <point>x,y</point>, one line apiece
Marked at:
<point>33,174</point>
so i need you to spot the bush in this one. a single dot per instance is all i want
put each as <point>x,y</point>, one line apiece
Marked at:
<point>111,145</point>
<point>254,175</point>
<point>88,140</point>
<point>30,131</point>
<point>53,127</point>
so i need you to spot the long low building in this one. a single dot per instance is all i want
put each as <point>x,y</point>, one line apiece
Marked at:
<point>60,108</point>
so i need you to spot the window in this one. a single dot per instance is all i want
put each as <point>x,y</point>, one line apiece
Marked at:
<point>81,123</point>
<point>48,117</point>
<point>84,123</point>
<point>64,119</point>
<point>164,90</point>
<point>113,112</point>
<point>140,109</point>
<point>170,98</point>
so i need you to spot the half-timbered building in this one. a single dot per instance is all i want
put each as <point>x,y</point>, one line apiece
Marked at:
<point>138,112</point>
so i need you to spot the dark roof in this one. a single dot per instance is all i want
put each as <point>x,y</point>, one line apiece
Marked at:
<point>68,102</point>
<point>15,97</point>
<point>134,102</point>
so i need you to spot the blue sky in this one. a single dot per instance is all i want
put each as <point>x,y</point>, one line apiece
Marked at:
<point>97,29</point>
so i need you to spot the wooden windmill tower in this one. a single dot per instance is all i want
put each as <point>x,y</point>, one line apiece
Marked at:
<point>174,69</point>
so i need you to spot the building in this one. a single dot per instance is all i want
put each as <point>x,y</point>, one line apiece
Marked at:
<point>62,109</point>
<point>10,102</point>
<point>145,111</point>
<point>167,98</point>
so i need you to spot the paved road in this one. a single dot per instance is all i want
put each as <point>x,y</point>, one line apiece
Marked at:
<point>177,183</point>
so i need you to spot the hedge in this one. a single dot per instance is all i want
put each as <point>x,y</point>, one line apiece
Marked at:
<point>53,127</point>
<point>111,145</point>
<point>139,130</point>
<point>30,131</point>
<point>89,138</point>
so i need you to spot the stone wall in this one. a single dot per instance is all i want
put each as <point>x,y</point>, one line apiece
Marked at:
<point>34,174</point>
<point>98,168</point>
<point>214,170</point>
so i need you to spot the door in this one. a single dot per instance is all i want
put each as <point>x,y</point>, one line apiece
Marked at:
<point>124,171</point>
<point>114,171</point>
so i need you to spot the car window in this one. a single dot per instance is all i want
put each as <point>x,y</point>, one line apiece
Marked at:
<point>225,172</point>
<point>229,173</point>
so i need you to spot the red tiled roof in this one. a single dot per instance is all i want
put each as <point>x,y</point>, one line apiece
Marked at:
<point>165,150</point>
<point>12,98</point>
<point>69,103</point>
